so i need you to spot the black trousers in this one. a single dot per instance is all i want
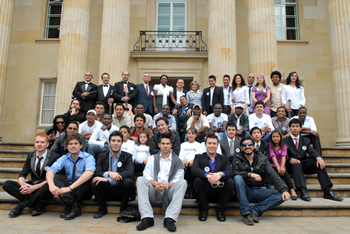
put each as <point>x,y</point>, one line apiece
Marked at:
<point>294,112</point>
<point>12,188</point>
<point>227,110</point>
<point>138,168</point>
<point>189,177</point>
<point>273,113</point>
<point>205,194</point>
<point>308,167</point>
<point>286,179</point>
<point>105,192</point>
<point>316,144</point>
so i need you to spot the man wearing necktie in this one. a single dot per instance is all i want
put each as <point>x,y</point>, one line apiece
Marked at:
<point>230,145</point>
<point>144,95</point>
<point>121,95</point>
<point>86,92</point>
<point>182,114</point>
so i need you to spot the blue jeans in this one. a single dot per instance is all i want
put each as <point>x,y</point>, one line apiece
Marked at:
<point>265,199</point>
<point>95,150</point>
<point>266,138</point>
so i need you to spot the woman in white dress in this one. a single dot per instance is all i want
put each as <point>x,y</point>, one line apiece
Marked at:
<point>293,96</point>
<point>239,93</point>
<point>162,94</point>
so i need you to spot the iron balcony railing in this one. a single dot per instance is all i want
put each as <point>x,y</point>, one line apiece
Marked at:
<point>170,41</point>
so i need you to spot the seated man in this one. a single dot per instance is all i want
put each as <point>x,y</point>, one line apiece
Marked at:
<point>218,121</point>
<point>240,120</point>
<point>141,110</point>
<point>120,118</point>
<point>299,164</point>
<point>213,183</point>
<point>139,122</point>
<point>100,109</point>
<point>308,129</point>
<point>113,182</point>
<point>251,169</point>
<point>198,121</point>
<point>79,167</point>
<point>30,192</point>
<point>60,146</point>
<point>280,122</point>
<point>230,145</point>
<point>261,146</point>
<point>166,114</point>
<point>162,183</point>
<point>163,127</point>
<point>74,113</point>
<point>261,120</point>
<point>87,127</point>
<point>182,113</point>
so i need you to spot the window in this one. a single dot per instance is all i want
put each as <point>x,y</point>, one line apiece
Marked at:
<point>286,17</point>
<point>48,102</point>
<point>53,23</point>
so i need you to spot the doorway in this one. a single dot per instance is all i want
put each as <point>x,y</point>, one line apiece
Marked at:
<point>172,82</point>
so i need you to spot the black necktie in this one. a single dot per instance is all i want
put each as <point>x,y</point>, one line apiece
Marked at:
<point>73,178</point>
<point>105,85</point>
<point>38,166</point>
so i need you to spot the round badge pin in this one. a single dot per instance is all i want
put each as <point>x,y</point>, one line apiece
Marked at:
<point>238,150</point>
<point>304,147</point>
<point>119,164</point>
<point>206,169</point>
<point>280,151</point>
<point>78,171</point>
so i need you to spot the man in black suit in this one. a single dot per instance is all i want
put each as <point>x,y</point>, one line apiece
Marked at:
<point>106,93</point>
<point>120,94</point>
<point>178,93</point>
<point>299,164</point>
<point>260,145</point>
<point>113,179</point>
<point>86,92</point>
<point>230,145</point>
<point>211,96</point>
<point>31,192</point>
<point>213,182</point>
<point>240,120</point>
<point>182,113</point>
<point>145,95</point>
<point>226,88</point>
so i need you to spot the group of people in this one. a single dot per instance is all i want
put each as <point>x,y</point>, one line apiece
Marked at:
<point>217,145</point>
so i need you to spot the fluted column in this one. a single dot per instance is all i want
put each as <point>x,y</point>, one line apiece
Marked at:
<point>339,22</point>
<point>114,53</point>
<point>262,43</point>
<point>6,11</point>
<point>222,38</point>
<point>73,52</point>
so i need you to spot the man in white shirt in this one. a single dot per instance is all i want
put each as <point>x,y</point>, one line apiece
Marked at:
<point>163,183</point>
<point>261,120</point>
<point>250,85</point>
<point>198,121</point>
<point>87,127</point>
<point>226,88</point>
<point>99,139</point>
<point>178,93</point>
<point>218,121</point>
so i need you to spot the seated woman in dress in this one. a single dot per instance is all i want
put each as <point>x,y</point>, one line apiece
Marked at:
<point>293,95</point>
<point>194,96</point>
<point>261,92</point>
<point>239,93</point>
<point>162,94</point>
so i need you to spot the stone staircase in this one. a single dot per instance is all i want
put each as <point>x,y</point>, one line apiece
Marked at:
<point>13,155</point>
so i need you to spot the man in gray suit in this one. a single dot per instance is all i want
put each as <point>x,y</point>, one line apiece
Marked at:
<point>230,145</point>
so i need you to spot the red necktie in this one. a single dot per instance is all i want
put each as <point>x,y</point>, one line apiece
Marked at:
<point>147,90</point>
<point>296,143</point>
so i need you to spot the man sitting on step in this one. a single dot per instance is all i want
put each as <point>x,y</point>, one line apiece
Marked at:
<point>299,164</point>
<point>31,192</point>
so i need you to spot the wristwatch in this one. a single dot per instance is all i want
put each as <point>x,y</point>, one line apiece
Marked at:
<point>221,173</point>
<point>167,187</point>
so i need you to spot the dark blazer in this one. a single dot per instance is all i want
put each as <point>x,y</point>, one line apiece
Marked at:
<point>201,161</point>
<point>29,167</point>
<point>60,146</point>
<point>102,98</point>
<point>80,117</point>
<point>218,97</point>
<point>172,106</point>
<point>86,103</point>
<point>244,121</point>
<point>175,140</point>
<point>304,147</point>
<point>179,108</point>
<point>142,98</point>
<point>225,147</point>
<point>119,92</point>
<point>264,148</point>
<point>126,170</point>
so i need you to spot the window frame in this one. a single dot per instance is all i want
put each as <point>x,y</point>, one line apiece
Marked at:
<point>49,16</point>
<point>171,13</point>
<point>42,101</point>
<point>283,18</point>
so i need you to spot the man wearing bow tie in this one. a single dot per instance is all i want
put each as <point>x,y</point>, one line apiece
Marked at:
<point>86,92</point>
<point>121,95</point>
<point>105,93</point>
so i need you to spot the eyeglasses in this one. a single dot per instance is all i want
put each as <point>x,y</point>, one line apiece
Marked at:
<point>74,129</point>
<point>60,122</point>
<point>247,144</point>
<point>220,185</point>
<point>251,77</point>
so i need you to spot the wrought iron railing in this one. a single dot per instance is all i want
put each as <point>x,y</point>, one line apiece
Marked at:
<point>170,41</point>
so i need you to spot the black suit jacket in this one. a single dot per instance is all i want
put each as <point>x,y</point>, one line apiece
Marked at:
<point>126,170</point>
<point>119,92</point>
<point>304,147</point>
<point>87,103</point>
<point>102,98</point>
<point>29,167</point>
<point>179,108</point>
<point>243,121</point>
<point>201,161</point>
<point>60,146</point>
<point>175,140</point>
<point>142,98</point>
<point>172,106</point>
<point>264,148</point>
<point>218,97</point>
<point>225,147</point>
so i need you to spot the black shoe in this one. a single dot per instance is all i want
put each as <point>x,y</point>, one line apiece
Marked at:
<point>100,213</point>
<point>221,217</point>
<point>248,220</point>
<point>74,212</point>
<point>255,218</point>
<point>38,209</point>
<point>187,194</point>
<point>132,198</point>
<point>17,211</point>
<point>331,196</point>
<point>203,215</point>
<point>65,212</point>
<point>304,196</point>
<point>169,224</point>
<point>145,223</point>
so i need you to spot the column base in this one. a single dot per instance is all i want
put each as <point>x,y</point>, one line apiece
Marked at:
<point>341,142</point>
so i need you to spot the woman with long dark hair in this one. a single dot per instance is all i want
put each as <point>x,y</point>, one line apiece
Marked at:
<point>162,94</point>
<point>293,96</point>
<point>261,92</point>
<point>239,93</point>
<point>57,129</point>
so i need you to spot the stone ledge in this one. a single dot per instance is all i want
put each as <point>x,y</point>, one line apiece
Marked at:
<point>48,40</point>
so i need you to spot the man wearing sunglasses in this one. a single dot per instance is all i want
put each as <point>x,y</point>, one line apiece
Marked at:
<point>213,182</point>
<point>251,169</point>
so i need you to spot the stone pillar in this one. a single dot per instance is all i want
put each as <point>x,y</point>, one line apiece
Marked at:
<point>73,52</point>
<point>114,53</point>
<point>6,11</point>
<point>262,43</point>
<point>339,22</point>
<point>222,53</point>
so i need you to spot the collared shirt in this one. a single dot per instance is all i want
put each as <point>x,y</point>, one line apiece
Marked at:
<point>229,141</point>
<point>238,121</point>
<point>211,95</point>
<point>129,146</point>
<point>99,137</point>
<point>42,160</point>
<point>114,168</point>
<point>165,166</point>
<point>296,96</point>
<point>212,165</point>
<point>283,127</point>
<point>194,98</point>
<point>293,137</point>
<point>241,96</point>
<point>172,121</point>
<point>276,96</point>
<point>179,95</point>
<point>308,123</point>
<point>105,90</point>
<point>189,150</point>
<point>265,120</point>
<point>84,126</point>
<point>227,100</point>
<point>126,120</point>
<point>86,162</point>
<point>202,121</point>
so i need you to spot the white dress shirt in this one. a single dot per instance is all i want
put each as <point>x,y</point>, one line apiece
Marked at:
<point>296,96</point>
<point>99,137</point>
<point>105,90</point>
<point>179,95</point>
<point>227,95</point>
<point>42,160</point>
<point>211,95</point>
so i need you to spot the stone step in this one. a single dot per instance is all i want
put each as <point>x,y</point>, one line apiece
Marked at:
<point>336,150</point>
<point>338,167</point>
<point>336,178</point>
<point>9,173</point>
<point>336,158</point>
<point>12,162</point>
<point>14,153</point>
<point>16,146</point>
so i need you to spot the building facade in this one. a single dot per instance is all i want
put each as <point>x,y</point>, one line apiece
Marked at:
<point>46,46</point>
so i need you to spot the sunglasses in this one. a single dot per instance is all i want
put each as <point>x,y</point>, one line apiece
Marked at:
<point>60,122</point>
<point>247,144</point>
<point>74,129</point>
<point>220,185</point>
<point>251,77</point>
